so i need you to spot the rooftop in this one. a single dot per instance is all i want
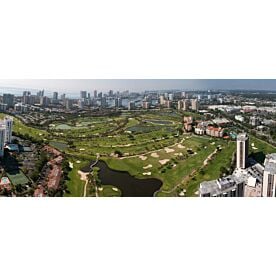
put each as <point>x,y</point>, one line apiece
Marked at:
<point>242,137</point>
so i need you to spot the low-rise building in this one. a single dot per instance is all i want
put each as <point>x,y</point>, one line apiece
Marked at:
<point>215,131</point>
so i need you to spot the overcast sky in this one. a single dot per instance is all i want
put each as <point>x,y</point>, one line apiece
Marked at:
<point>75,85</point>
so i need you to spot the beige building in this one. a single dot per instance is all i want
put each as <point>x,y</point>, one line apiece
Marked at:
<point>194,104</point>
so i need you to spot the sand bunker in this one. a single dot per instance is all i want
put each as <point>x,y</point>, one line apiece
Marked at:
<point>83,176</point>
<point>71,165</point>
<point>164,161</point>
<point>143,158</point>
<point>82,149</point>
<point>155,155</point>
<point>147,173</point>
<point>168,150</point>
<point>78,161</point>
<point>181,147</point>
<point>147,167</point>
<point>115,189</point>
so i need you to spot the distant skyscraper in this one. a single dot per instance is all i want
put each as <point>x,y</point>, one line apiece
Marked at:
<point>83,94</point>
<point>8,99</point>
<point>146,104</point>
<point>180,105</point>
<point>242,150</point>
<point>103,102</point>
<point>131,105</point>
<point>68,104</point>
<point>40,93</point>
<point>55,96</point>
<point>95,93</point>
<point>26,93</point>
<point>81,103</point>
<point>44,101</point>
<point>194,105</point>
<point>118,102</point>
<point>162,100</point>
<point>269,176</point>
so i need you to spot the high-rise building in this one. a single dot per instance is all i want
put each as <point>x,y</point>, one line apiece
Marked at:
<point>185,105</point>
<point>55,96</point>
<point>118,102</point>
<point>180,105</point>
<point>81,103</point>
<point>26,93</point>
<point>146,104</point>
<point>40,93</point>
<point>2,139</point>
<point>131,105</point>
<point>83,94</point>
<point>95,93</point>
<point>8,99</point>
<point>171,96</point>
<point>162,100</point>
<point>8,121</point>
<point>44,101</point>
<point>242,150</point>
<point>194,104</point>
<point>68,104</point>
<point>168,103</point>
<point>110,93</point>
<point>269,176</point>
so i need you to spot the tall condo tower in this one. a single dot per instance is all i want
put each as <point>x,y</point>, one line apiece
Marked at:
<point>242,150</point>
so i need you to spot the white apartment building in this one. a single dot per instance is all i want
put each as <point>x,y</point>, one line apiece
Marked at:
<point>242,150</point>
<point>8,122</point>
<point>269,177</point>
<point>2,139</point>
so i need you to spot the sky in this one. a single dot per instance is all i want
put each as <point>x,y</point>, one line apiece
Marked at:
<point>136,85</point>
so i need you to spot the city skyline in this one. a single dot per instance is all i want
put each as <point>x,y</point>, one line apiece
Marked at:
<point>72,86</point>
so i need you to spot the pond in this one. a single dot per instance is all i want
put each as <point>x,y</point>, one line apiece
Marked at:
<point>130,186</point>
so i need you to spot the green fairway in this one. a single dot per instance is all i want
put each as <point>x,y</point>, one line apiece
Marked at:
<point>75,185</point>
<point>146,144</point>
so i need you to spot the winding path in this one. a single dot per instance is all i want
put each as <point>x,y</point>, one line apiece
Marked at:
<point>86,174</point>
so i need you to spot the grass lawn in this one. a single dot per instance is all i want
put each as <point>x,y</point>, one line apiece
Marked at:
<point>212,170</point>
<point>108,191</point>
